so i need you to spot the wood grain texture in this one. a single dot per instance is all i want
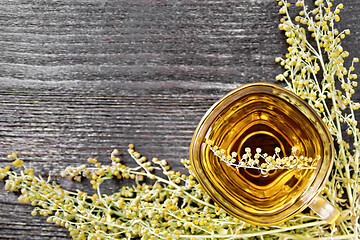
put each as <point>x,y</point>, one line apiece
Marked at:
<point>79,78</point>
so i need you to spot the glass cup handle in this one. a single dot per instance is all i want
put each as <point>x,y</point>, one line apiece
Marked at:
<point>324,209</point>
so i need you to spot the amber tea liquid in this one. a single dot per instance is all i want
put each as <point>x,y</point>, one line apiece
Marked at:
<point>265,122</point>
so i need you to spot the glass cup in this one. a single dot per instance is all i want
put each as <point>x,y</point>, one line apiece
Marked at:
<point>266,116</point>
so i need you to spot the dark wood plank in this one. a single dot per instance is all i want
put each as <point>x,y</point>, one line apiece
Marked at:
<point>79,78</point>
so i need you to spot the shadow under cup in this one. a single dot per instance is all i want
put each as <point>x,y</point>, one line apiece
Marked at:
<point>267,116</point>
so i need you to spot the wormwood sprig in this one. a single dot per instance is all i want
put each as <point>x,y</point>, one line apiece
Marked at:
<point>315,70</point>
<point>172,206</point>
<point>149,211</point>
<point>262,161</point>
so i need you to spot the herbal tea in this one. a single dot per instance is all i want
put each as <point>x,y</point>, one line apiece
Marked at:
<point>262,154</point>
<point>266,123</point>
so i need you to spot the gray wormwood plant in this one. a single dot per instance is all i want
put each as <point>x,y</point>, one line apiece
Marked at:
<point>174,205</point>
<point>263,161</point>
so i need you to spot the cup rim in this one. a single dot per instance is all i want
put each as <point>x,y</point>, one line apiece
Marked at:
<point>307,195</point>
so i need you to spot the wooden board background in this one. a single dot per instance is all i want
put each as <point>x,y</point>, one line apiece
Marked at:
<point>81,77</point>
